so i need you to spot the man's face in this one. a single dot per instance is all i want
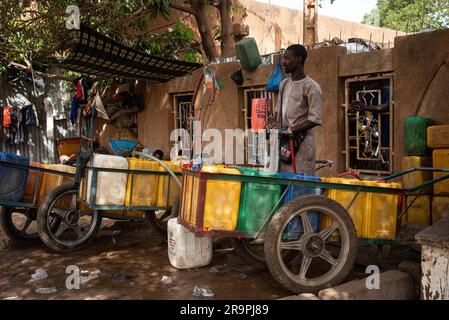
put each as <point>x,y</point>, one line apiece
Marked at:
<point>290,63</point>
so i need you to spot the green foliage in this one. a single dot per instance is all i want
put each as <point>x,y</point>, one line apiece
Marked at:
<point>410,15</point>
<point>36,33</point>
<point>179,43</point>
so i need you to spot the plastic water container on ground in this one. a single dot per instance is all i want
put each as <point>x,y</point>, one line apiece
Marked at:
<point>248,54</point>
<point>257,202</point>
<point>144,186</point>
<point>163,198</point>
<point>12,180</point>
<point>295,227</point>
<point>441,161</point>
<point>438,137</point>
<point>419,211</point>
<point>185,249</point>
<point>111,186</point>
<point>415,135</point>
<point>418,177</point>
<point>440,208</point>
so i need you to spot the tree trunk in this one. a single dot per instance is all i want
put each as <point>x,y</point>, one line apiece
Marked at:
<point>205,29</point>
<point>227,41</point>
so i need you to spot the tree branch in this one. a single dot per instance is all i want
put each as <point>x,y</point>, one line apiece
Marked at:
<point>41,74</point>
<point>182,8</point>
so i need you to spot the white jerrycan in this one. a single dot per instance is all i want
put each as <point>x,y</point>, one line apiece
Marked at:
<point>185,249</point>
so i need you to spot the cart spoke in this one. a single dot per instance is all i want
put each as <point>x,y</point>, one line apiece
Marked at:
<point>61,230</point>
<point>305,264</point>
<point>292,245</point>
<point>78,232</point>
<point>59,212</point>
<point>328,257</point>
<point>73,202</point>
<point>326,233</point>
<point>306,223</point>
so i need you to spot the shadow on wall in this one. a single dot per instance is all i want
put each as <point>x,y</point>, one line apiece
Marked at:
<point>435,95</point>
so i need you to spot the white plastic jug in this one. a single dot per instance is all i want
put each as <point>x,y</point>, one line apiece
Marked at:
<point>111,186</point>
<point>185,249</point>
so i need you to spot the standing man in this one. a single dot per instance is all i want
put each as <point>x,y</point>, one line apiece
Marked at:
<point>299,109</point>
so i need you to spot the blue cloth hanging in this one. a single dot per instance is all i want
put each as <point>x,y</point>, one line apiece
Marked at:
<point>74,110</point>
<point>276,78</point>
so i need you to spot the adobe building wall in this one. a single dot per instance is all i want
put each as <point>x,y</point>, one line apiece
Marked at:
<point>351,65</point>
<point>155,123</point>
<point>421,67</point>
<point>322,66</point>
<point>420,87</point>
<point>285,27</point>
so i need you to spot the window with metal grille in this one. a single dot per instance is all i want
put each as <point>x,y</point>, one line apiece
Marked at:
<point>184,116</point>
<point>253,143</point>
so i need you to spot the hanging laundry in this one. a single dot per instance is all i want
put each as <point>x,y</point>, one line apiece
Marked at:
<point>100,108</point>
<point>19,124</point>
<point>74,110</point>
<point>258,114</point>
<point>48,107</point>
<point>6,116</point>
<point>14,126</point>
<point>18,100</point>
<point>31,116</point>
<point>80,91</point>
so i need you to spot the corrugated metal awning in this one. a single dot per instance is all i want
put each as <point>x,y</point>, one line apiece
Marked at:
<point>97,55</point>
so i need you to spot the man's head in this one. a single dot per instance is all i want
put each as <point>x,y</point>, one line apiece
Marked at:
<point>295,56</point>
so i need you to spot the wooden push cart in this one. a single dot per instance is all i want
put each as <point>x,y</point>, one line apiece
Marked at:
<point>320,252</point>
<point>18,218</point>
<point>75,206</point>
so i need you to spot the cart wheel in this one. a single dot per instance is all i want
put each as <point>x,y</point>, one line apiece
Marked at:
<point>19,225</point>
<point>157,220</point>
<point>324,256</point>
<point>78,224</point>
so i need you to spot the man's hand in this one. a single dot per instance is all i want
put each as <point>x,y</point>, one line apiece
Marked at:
<point>286,131</point>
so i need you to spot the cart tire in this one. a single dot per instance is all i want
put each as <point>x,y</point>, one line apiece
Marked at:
<point>342,264</point>
<point>49,235</point>
<point>160,227</point>
<point>11,230</point>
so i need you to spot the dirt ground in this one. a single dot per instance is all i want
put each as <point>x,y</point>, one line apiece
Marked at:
<point>141,254</point>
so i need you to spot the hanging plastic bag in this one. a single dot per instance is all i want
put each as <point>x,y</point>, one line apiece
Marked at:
<point>276,78</point>
<point>258,113</point>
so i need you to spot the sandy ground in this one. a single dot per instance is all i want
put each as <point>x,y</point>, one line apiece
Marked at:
<point>138,252</point>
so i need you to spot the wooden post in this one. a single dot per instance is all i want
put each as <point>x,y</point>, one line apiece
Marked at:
<point>310,23</point>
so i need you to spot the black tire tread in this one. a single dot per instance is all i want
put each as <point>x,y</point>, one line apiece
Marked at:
<point>270,242</point>
<point>5,224</point>
<point>42,217</point>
